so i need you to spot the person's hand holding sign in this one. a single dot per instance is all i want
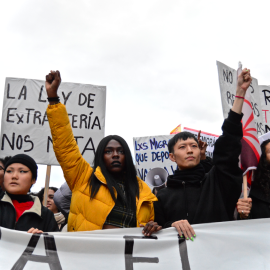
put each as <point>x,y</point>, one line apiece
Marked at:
<point>53,80</point>
<point>202,146</point>
<point>243,207</point>
<point>34,231</point>
<point>184,228</point>
<point>150,227</point>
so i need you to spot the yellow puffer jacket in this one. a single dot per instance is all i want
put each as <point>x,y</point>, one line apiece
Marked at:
<point>86,214</point>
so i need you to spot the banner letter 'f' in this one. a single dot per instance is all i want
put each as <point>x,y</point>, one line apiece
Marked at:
<point>129,259</point>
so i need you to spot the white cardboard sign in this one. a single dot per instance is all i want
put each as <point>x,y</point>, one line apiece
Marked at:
<point>265,104</point>
<point>209,138</point>
<point>151,152</point>
<point>25,127</point>
<point>228,82</point>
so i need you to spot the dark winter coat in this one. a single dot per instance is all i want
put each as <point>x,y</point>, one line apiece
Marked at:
<point>37,216</point>
<point>260,203</point>
<point>207,164</point>
<point>203,197</point>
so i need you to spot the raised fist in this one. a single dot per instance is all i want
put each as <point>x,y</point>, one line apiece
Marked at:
<point>53,80</point>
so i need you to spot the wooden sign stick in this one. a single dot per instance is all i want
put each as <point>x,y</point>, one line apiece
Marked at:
<point>47,182</point>
<point>245,186</point>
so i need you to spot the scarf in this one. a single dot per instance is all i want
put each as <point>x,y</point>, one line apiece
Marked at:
<point>20,198</point>
<point>60,218</point>
<point>194,175</point>
<point>21,203</point>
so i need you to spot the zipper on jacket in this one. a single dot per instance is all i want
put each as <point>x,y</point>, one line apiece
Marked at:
<point>185,198</point>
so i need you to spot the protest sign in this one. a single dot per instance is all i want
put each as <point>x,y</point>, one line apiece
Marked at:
<point>152,152</point>
<point>228,82</point>
<point>224,245</point>
<point>25,127</point>
<point>264,137</point>
<point>265,104</point>
<point>209,138</point>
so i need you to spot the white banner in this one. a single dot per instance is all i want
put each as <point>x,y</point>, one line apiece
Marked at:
<point>209,138</point>
<point>228,245</point>
<point>25,127</point>
<point>151,152</point>
<point>227,82</point>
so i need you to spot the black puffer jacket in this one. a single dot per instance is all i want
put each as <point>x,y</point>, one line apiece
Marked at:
<point>260,203</point>
<point>200,197</point>
<point>37,216</point>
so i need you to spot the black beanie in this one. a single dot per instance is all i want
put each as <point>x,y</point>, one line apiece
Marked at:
<point>25,160</point>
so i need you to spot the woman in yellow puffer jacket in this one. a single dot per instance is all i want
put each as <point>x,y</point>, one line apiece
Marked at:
<point>107,196</point>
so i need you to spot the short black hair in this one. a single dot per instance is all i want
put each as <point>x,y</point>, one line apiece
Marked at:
<point>184,135</point>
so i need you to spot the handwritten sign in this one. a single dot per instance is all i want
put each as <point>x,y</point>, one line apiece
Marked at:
<point>265,104</point>
<point>152,152</point>
<point>25,127</point>
<point>228,82</point>
<point>209,138</point>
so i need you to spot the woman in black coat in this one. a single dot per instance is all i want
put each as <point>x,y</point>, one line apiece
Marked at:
<point>258,203</point>
<point>19,210</point>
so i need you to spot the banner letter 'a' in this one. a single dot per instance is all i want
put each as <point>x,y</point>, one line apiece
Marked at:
<point>51,257</point>
<point>129,259</point>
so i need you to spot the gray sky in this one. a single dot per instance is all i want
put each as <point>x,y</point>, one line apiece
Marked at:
<point>156,58</point>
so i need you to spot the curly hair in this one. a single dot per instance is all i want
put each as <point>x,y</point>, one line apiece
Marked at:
<point>262,174</point>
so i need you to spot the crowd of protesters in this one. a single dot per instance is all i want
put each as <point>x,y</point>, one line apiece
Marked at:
<point>109,195</point>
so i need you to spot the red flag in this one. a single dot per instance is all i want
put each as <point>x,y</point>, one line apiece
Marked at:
<point>251,150</point>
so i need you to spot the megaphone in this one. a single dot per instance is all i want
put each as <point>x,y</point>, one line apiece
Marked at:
<point>156,177</point>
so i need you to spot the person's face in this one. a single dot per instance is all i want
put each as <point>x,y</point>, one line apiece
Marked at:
<point>2,176</point>
<point>50,202</point>
<point>18,179</point>
<point>114,157</point>
<point>186,154</point>
<point>267,152</point>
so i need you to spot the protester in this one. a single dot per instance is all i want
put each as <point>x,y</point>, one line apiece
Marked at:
<point>258,203</point>
<point>18,210</point>
<point>192,196</point>
<point>107,196</point>
<point>204,160</point>
<point>3,161</point>
<point>59,217</point>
